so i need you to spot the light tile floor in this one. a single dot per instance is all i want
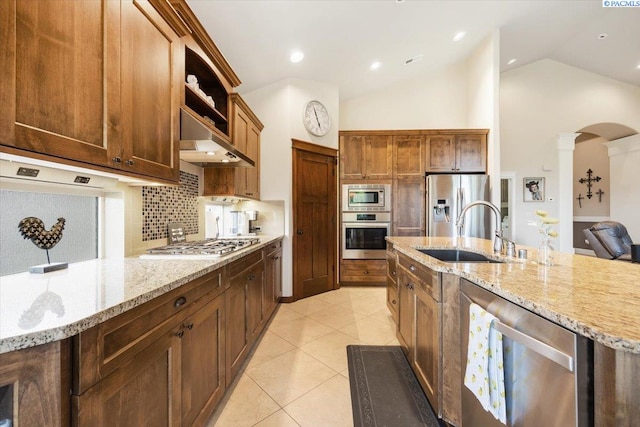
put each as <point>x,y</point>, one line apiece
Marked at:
<point>298,374</point>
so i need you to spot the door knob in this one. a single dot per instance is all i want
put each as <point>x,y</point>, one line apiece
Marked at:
<point>300,231</point>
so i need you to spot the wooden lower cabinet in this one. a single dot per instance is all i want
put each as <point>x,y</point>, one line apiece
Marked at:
<point>363,271</point>
<point>203,367</point>
<point>144,391</point>
<point>426,356</point>
<point>406,312</point>
<point>392,283</point>
<point>236,331</point>
<point>419,325</point>
<point>272,278</point>
<point>34,385</point>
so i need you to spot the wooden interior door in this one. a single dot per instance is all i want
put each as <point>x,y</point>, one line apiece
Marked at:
<point>314,219</point>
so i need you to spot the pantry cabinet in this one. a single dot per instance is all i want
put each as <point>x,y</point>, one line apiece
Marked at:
<point>408,214</point>
<point>95,106</point>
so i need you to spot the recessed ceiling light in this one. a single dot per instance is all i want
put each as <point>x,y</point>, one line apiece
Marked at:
<point>459,36</point>
<point>399,1</point>
<point>414,59</point>
<point>225,160</point>
<point>296,56</point>
<point>603,36</point>
<point>638,67</point>
<point>512,61</point>
<point>375,65</point>
<point>211,153</point>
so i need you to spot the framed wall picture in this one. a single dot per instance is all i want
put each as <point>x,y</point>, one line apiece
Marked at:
<point>533,189</point>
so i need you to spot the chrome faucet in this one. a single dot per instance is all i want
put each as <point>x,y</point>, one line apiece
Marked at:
<point>498,239</point>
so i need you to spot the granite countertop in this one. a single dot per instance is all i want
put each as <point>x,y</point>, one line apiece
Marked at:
<point>40,308</point>
<point>597,298</point>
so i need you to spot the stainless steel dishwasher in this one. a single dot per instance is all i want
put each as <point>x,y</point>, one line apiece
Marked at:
<point>548,370</point>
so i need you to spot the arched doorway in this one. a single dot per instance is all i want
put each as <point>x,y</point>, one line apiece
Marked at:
<point>599,133</point>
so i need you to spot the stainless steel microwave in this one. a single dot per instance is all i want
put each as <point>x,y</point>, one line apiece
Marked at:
<point>366,197</point>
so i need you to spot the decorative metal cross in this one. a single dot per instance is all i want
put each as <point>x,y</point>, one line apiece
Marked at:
<point>580,198</point>
<point>589,180</point>
<point>600,193</point>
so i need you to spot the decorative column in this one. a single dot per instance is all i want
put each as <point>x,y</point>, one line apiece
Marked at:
<point>565,143</point>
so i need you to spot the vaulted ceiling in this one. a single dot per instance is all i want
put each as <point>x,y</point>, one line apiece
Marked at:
<point>340,39</point>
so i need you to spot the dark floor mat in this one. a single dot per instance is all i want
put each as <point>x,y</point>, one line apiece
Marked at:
<point>384,390</point>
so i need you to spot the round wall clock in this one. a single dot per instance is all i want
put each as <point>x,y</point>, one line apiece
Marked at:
<point>316,118</point>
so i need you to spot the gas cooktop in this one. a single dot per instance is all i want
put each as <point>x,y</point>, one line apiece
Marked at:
<point>208,248</point>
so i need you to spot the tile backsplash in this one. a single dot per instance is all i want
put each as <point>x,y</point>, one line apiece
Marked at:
<point>162,205</point>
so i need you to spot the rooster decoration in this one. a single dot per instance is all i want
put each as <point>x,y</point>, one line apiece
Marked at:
<point>33,228</point>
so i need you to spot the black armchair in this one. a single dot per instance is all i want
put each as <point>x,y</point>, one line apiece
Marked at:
<point>610,240</point>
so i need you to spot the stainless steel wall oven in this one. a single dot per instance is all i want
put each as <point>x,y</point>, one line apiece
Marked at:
<point>363,235</point>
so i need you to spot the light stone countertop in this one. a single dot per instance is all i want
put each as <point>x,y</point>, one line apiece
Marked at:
<point>597,298</point>
<point>40,308</point>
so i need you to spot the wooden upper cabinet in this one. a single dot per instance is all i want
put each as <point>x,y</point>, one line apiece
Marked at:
<point>54,76</point>
<point>366,157</point>
<point>151,114</point>
<point>238,181</point>
<point>457,153</point>
<point>471,153</point>
<point>91,83</point>
<point>409,156</point>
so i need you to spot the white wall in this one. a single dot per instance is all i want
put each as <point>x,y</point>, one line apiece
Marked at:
<point>279,107</point>
<point>591,154</point>
<point>624,156</point>
<point>433,101</point>
<point>483,96</point>
<point>538,102</point>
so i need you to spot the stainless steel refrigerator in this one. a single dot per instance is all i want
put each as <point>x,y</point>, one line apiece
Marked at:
<point>447,195</point>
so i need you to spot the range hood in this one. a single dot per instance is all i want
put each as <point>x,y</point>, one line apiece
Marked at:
<point>199,144</point>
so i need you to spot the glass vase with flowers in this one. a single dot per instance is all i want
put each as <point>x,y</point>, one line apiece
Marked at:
<point>545,250</point>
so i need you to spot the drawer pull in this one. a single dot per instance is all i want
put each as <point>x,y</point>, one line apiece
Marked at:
<point>180,301</point>
<point>393,301</point>
<point>366,272</point>
<point>410,285</point>
<point>180,334</point>
<point>412,267</point>
<point>393,273</point>
<point>189,326</point>
<point>276,258</point>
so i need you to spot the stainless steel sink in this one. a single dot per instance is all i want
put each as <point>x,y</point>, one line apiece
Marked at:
<point>457,255</point>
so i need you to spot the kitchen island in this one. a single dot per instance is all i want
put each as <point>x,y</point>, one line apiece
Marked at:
<point>595,298</point>
<point>161,339</point>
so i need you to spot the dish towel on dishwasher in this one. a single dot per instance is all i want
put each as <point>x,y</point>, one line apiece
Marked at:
<point>484,375</point>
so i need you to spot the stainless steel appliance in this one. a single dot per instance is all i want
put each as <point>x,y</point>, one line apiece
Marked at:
<point>202,249</point>
<point>366,197</point>
<point>547,369</point>
<point>446,195</point>
<point>363,234</point>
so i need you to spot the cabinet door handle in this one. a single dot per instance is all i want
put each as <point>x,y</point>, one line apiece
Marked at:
<point>180,333</point>
<point>129,162</point>
<point>410,286</point>
<point>276,258</point>
<point>393,273</point>
<point>300,231</point>
<point>117,160</point>
<point>189,326</point>
<point>393,301</point>
<point>180,301</point>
